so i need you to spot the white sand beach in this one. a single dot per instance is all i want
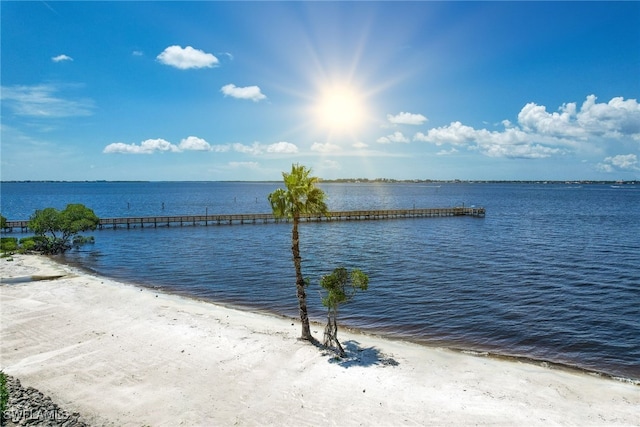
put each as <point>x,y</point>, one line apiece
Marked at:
<point>123,355</point>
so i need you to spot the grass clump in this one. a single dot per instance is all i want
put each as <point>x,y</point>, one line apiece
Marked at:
<point>4,394</point>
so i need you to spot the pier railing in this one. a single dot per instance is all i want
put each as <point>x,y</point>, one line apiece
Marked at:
<point>264,218</point>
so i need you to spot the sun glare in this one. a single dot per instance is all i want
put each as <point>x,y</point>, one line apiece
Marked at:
<point>340,109</point>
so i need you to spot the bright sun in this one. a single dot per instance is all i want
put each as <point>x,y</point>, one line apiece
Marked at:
<point>340,109</point>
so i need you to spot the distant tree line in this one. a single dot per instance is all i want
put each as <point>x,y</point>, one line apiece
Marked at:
<point>474,181</point>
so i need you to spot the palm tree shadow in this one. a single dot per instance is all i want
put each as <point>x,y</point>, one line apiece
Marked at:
<point>356,355</point>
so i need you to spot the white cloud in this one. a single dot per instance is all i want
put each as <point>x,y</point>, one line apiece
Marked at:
<point>44,101</point>
<point>137,53</point>
<point>621,161</point>
<point>603,167</point>
<point>535,119</point>
<point>148,146</point>
<point>394,137</point>
<point>535,151</point>
<point>511,142</point>
<point>194,143</point>
<point>456,133</point>
<point>541,134</point>
<point>224,148</point>
<point>403,118</point>
<point>282,148</point>
<point>447,152</point>
<point>617,118</point>
<point>249,92</point>
<point>61,58</point>
<point>188,57</point>
<point>121,147</point>
<point>254,149</point>
<point>360,144</point>
<point>325,147</point>
<point>257,148</point>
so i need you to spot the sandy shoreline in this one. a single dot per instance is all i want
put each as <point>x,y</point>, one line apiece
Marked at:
<point>125,355</point>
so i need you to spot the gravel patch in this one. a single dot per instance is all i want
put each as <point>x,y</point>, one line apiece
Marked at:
<point>29,407</point>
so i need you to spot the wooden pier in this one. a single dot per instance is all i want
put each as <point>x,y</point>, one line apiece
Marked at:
<point>265,218</point>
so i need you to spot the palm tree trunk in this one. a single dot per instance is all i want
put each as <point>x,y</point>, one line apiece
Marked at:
<point>302,296</point>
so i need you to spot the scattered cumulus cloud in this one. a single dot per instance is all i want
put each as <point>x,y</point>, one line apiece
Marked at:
<point>540,134</point>
<point>535,151</point>
<point>360,145</point>
<point>282,147</point>
<point>512,143</point>
<point>44,101</point>
<point>394,137</point>
<point>403,118</point>
<point>619,162</point>
<point>624,161</point>
<point>535,119</point>
<point>257,148</point>
<point>194,143</point>
<point>456,133</point>
<point>186,58</point>
<point>249,92</point>
<point>159,145</point>
<point>617,118</point>
<point>223,148</point>
<point>61,58</point>
<point>453,150</point>
<point>326,147</point>
<point>254,149</point>
<point>148,146</point>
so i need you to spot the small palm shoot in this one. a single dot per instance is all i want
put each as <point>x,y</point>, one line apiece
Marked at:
<point>340,286</point>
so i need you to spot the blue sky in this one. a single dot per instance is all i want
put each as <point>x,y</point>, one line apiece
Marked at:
<point>241,90</point>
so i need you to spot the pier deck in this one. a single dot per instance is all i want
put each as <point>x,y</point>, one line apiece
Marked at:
<point>264,218</point>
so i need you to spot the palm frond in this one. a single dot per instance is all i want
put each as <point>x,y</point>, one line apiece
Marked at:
<point>301,195</point>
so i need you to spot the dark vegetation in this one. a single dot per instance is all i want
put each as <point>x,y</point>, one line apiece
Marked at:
<point>55,231</point>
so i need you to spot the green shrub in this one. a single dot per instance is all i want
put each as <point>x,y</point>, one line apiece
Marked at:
<point>27,244</point>
<point>8,244</point>
<point>59,227</point>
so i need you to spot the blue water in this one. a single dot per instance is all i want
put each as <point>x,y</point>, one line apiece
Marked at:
<point>551,273</point>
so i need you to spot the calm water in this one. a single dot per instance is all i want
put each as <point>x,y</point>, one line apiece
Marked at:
<point>551,273</point>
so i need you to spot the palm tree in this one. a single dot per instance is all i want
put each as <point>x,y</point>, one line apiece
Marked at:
<point>300,197</point>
